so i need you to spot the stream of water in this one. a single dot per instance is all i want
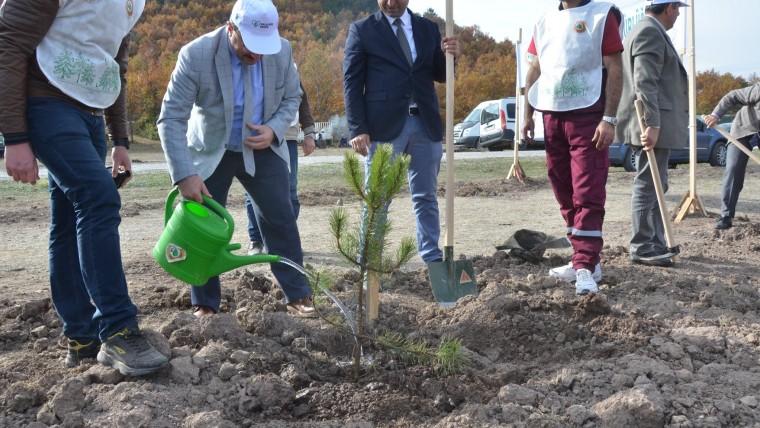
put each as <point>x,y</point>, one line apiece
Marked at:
<point>347,314</point>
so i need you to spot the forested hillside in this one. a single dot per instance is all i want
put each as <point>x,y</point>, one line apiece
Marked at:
<point>317,29</point>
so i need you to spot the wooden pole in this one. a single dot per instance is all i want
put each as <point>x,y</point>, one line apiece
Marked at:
<point>657,182</point>
<point>690,203</point>
<point>516,169</point>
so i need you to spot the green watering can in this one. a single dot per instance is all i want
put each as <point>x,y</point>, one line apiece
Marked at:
<point>195,244</point>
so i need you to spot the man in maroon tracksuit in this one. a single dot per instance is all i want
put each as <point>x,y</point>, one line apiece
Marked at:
<point>575,80</point>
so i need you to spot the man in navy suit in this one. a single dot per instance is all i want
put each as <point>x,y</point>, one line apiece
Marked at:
<point>388,81</point>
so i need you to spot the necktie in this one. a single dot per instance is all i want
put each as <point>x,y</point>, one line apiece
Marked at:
<point>401,36</point>
<point>247,101</point>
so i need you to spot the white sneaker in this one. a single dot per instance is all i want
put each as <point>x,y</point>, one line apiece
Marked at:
<point>584,283</point>
<point>567,272</point>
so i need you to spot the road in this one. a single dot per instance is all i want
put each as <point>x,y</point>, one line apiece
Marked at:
<point>316,160</point>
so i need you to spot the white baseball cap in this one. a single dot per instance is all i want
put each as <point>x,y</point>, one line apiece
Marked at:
<point>257,22</point>
<point>653,2</point>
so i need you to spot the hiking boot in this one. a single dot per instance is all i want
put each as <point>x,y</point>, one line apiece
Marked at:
<point>584,283</point>
<point>567,272</point>
<point>255,248</point>
<point>130,352</point>
<point>81,349</point>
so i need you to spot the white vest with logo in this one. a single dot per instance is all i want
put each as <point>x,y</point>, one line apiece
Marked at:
<point>77,53</point>
<point>569,47</point>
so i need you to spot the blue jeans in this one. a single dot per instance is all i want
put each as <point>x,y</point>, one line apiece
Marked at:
<point>253,227</point>
<point>423,171</point>
<point>87,280</point>
<point>268,189</point>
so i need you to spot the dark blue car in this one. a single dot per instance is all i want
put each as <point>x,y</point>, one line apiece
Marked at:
<point>711,147</point>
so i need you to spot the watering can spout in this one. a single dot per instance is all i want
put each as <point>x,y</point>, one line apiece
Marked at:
<point>226,261</point>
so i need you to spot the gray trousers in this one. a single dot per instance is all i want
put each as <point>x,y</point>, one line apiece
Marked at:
<point>733,177</point>
<point>648,229</point>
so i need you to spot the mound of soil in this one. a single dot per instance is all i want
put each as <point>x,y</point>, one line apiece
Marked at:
<point>657,347</point>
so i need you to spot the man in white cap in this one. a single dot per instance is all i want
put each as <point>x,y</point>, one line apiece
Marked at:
<point>654,74</point>
<point>231,98</point>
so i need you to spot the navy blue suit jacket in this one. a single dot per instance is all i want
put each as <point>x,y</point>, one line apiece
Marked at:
<point>378,81</point>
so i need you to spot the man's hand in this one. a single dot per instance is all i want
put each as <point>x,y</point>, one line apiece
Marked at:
<point>262,140</point>
<point>192,188</point>
<point>649,138</point>
<point>21,164</point>
<point>528,129</point>
<point>308,145</point>
<point>121,162</point>
<point>360,143</point>
<point>710,120</point>
<point>604,135</point>
<point>451,45</point>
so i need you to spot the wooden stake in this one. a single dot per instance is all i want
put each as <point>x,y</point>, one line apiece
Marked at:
<point>690,202</point>
<point>516,169</point>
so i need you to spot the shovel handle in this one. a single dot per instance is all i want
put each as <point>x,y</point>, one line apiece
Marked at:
<point>449,130</point>
<point>656,179</point>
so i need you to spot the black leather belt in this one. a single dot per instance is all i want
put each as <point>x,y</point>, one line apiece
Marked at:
<point>414,111</point>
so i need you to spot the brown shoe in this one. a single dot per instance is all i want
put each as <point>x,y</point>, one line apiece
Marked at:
<point>303,308</point>
<point>201,311</point>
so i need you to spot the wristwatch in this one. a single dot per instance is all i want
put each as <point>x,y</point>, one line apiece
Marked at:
<point>120,142</point>
<point>612,120</point>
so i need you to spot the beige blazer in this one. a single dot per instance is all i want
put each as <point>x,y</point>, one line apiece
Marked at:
<point>654,74</point>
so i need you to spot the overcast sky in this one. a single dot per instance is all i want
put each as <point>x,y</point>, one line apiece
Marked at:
<point>726,31</point>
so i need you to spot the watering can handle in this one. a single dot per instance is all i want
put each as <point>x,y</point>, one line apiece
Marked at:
<point>169,209</point>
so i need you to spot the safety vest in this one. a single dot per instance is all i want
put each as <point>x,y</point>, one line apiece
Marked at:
<point>77,53</point>
<point>569,47</point>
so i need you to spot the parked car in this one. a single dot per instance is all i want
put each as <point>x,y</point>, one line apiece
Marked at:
<point>711,147</point>
<point>2,146</point>
<point>497,124</point>
<point>466,133</point>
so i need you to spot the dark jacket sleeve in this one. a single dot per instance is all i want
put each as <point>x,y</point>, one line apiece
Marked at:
<point>304,114</point>
<point>116,115</point>
<point>23,25</point>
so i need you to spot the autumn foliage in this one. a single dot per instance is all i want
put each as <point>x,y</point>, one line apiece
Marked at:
<point>317,30</point>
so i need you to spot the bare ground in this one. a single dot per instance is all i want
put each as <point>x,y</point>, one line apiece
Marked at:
<point>674,347</point>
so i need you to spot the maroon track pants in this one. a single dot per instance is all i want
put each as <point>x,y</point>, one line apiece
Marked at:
<point>578,175</point>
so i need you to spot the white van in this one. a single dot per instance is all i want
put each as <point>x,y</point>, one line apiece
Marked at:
<point>497,124</point>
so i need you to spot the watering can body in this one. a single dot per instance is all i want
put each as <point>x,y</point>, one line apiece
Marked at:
<point>195,244</point>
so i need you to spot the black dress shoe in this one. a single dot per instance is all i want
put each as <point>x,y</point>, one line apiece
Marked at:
<point>724,223</point>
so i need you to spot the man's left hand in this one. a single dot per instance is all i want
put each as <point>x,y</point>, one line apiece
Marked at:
<point>121,162</point>
<point>451,45</point>
<point>604,135</point>
<point>710,120</point>
<point>262,140</point>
